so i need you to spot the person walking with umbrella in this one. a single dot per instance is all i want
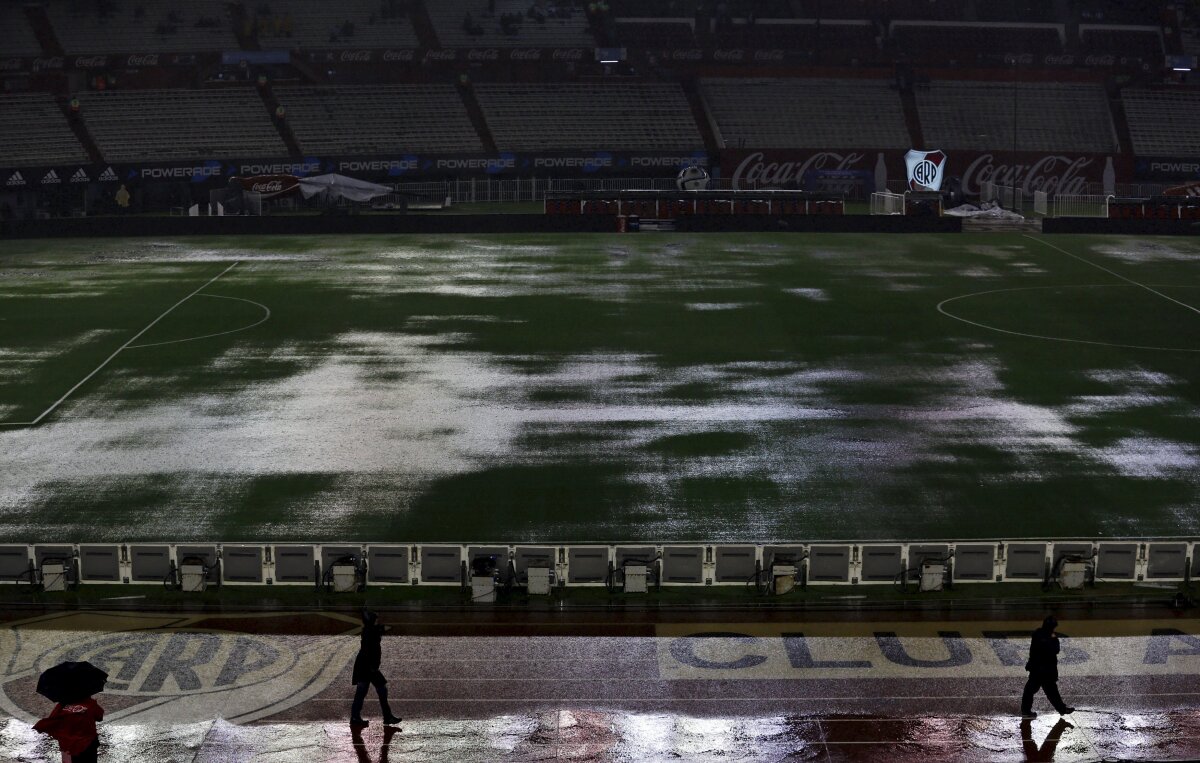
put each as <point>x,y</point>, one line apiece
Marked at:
<point>72,722</point>
<point>1043,670</point>
<point>366,672</point>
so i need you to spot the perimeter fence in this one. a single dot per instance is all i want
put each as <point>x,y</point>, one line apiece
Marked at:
<point>1150,561</point>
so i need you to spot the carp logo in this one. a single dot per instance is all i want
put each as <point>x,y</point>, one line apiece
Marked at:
<point>179,674</point>
<point>925,170</point>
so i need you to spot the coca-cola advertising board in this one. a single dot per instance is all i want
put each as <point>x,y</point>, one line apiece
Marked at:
<point>1066,173</point>
<point>271,186</point>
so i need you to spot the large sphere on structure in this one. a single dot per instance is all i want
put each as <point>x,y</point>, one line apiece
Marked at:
<point>692,178</point>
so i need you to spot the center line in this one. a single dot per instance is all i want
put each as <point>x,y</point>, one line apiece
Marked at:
<point>1115,274</point>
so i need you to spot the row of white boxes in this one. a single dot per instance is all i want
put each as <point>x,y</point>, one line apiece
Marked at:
<point>1162,560</point>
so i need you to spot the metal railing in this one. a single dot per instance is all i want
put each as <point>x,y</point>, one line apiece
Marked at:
<point>828,563</point>
<point>1080,206</point>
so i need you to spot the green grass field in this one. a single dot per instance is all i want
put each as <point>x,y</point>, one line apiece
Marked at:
<point>599,388</point>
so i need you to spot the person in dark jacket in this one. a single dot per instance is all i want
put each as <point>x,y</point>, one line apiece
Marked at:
<point>366,672</point>
<point>1043,670</point>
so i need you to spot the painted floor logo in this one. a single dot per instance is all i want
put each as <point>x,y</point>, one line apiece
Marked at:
<point>930,650</point>
<point>160,667</point>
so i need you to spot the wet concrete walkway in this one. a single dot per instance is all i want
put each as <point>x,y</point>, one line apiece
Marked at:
<point>276,688</point>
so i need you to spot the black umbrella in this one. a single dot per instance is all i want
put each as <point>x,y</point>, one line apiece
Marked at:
<point>71,682</point>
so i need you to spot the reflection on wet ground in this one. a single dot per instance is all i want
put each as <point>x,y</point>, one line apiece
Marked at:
<point>606,735</point>
<point>238,688</point>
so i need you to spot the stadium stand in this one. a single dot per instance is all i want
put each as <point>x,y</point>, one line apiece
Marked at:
<point>656,32</point>
<point>1144,42</point>
<point>1163,122</point>
<point>378,118</point>
<point>806,113</point>
<point>157,125</point>
<point>633,116</point>
<point>831,40</point>
<point>315,24</point>
<point>1052,116</point>
<point>968,43</point>
<point>142,26</point>
<point>33,130</point>
<point>561,24</point>
<point>16,35</point>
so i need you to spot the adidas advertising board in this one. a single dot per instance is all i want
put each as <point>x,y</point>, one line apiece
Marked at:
<point>80,176</point>
<point>108,176</point>
<point>51,178</point>
<point>925,170</point>
<point>15,180</point>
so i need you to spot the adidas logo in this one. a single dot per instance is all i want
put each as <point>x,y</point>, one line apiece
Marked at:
<point>108,174</point>
<point>15,179</point>
<point>51,178</point>
<point>80,177</point>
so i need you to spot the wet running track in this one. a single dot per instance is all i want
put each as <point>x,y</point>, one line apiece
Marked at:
<point>276,688</point>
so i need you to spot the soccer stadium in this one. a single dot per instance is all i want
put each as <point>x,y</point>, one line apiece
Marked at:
<point>672,379</point>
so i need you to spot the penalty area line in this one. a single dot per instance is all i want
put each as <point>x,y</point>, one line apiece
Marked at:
<point>119,350</point>
<point>1086,261</point>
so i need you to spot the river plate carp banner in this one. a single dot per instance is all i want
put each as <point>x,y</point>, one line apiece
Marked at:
<point>599,388</point>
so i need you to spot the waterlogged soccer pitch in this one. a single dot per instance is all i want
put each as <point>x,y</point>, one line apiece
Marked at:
<point>599,388</point>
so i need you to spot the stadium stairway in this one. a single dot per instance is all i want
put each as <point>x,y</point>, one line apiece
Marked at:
<point>418,14</point>
<point>912,117</point>
<point>79,128</point>
<point>237,17</point>
<point>281,125</point>
<point>1120,120</point>
<point>44,30</point>
<point>478,120</point>
<point>704,119</point>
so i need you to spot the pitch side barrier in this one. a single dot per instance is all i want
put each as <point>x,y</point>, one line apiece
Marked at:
<point>833,563</point>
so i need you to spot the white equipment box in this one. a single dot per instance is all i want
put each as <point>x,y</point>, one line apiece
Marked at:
<point>1072,574</point>
<point>783,578</point>
<point>54,576</point>
<point>483,589</point>
<point>538,581</point>
<point>345,578</point>
<point>193,578</point>
<point>635,578</point>
<point>933,576</point>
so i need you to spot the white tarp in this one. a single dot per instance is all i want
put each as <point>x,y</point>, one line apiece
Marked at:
<point>336,186</point>
<point>989,210</point>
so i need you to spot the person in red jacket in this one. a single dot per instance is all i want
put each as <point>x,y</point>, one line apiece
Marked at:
<point>73,725</point>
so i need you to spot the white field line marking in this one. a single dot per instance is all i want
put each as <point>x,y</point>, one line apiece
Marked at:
<point>264,319</point>
<point>1195,310</point>
<point>120,349</point>
<point>942,305</point>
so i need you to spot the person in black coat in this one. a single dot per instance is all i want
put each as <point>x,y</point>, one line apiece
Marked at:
<point>366,672</point>
<point>1043,670</point>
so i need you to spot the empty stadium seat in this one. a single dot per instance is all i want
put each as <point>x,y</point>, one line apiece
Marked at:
<point>569,31</point>
<point>974,43</point>
<point>1069,116</point>
<point>378,118</point>
<point>180,124</point>
<point>1142,42</point>
<point>198,25</point>
<point>616,116</point>
<point>33,130</point>
<point>806,113</point>
<point>1163,122</point>
<point>315,24</point>
<point>16,35</point>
